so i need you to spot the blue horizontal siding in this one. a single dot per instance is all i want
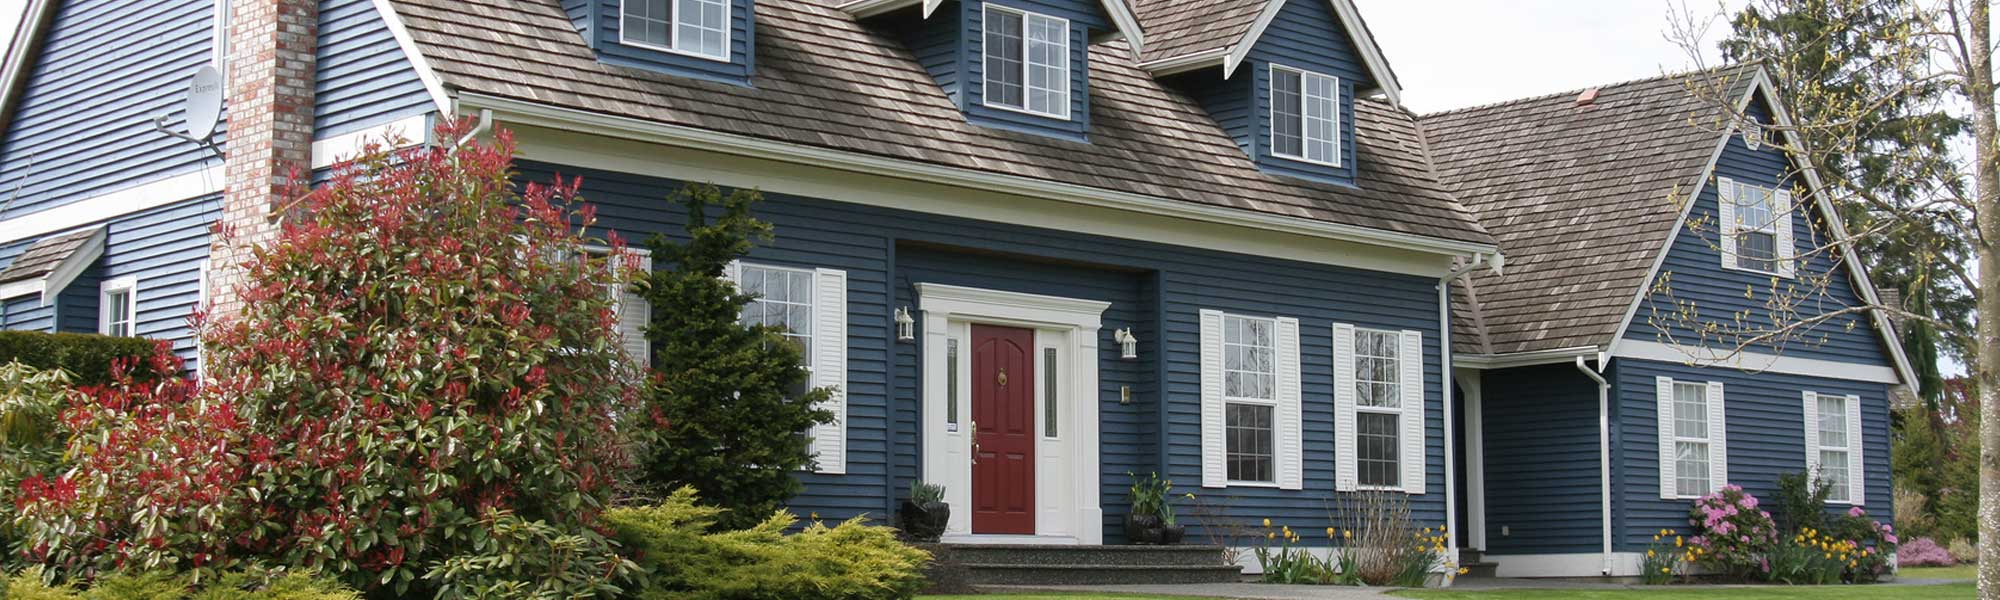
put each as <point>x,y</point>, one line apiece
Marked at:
<point>84,123</point>
<point>1083,17</point>
<point>1307,36</point>
<point>1155,288</point>
<point>1541,461</point>
<point>1694,266</point>
<point>742,45</point>
<point>1765,439</point>
<point>363,77</point>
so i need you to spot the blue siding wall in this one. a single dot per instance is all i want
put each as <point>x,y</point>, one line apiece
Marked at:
<point>1154,288</point>
<point>1083,17</point>
<point>162,248</point>
<point>364,79</point>
<point>1694,265</point>
<point>935,44</point>
<point>1765,439</point>
<point>84,125</point>
<point>1307,36</point>
<point>1231,102</point>
<point>742,44</point>
<point>1541,460</point>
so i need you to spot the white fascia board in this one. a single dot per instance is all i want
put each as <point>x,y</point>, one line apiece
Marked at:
<point>30,287</point>
<point>72,266</point>
<point>1756,362</point>
<point>1127,23</point>
<point>433,85</point>
<point>28,35</point>
<point>675,135</point>
<point>1186,62</point>
<point>1523,359</point>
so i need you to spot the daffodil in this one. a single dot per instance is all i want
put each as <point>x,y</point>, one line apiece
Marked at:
<point>1267,523</point>
<point>1650,554</point>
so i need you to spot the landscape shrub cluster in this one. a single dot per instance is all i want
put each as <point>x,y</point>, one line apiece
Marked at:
<point>1733,537</point>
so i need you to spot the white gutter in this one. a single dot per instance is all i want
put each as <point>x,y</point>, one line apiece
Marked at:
<point>578,121</point>
<point>1444,357</point>
<point>1603,451</point>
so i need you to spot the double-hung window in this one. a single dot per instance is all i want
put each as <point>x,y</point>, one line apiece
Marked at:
<point>781,298</point>
<point>1756,227</point>
<point>1694,456</point>
<point>810,307</point>
<point>1250,389</point>
<point>1833,444</point>
<point>1378,407</point>
<point>695,27</point>
<point>1305,115</point>
<point>118,307</point>
<point>1026,62</point>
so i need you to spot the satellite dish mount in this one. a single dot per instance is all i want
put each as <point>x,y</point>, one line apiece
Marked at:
<point>203,110</point>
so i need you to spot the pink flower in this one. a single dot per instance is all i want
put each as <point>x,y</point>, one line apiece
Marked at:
<point>1856,512</point>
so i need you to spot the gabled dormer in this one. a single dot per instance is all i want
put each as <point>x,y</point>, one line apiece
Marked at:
<point>1022,65</point>
<point>706,39</point>
<point>1281,77</point>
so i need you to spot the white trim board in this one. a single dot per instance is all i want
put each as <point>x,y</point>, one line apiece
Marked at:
<point>152,194</point>
<point>1523,359</point>
<point>1583,564</point>
<point>895,184</point>
<point>72,266</point>
<point>1121,13</point>
<point>414,129</point>
<point>433,85</point>
<point>27,41</point>
<point>1756,362</point>
<point>1232,57</point>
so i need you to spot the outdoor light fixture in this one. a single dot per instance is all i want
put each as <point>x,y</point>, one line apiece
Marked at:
<point>1128,345</point>
<point>906,327</point>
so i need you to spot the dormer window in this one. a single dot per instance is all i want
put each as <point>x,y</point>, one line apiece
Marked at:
<point>1027,62</point>
<point>1305,116</point>
<point>692,27</point>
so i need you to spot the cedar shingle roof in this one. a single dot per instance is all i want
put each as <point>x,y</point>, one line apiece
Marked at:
<point>1183,27</point>
<point>824,79</point>
<point>41,258</point>
<point>1582,200</point>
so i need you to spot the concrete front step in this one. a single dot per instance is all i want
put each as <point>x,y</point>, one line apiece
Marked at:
<point>1008,574</point>
<point>1029,555</point>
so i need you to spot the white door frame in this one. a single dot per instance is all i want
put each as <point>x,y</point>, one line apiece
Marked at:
<point>1475,457</point>
<point>1066,469</point>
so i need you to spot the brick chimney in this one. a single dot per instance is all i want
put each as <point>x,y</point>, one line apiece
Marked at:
<point>272,47</point>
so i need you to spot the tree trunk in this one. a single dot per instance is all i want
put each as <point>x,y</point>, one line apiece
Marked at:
<point>1979,90</point>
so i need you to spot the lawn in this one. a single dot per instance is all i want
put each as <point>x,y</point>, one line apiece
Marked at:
<point>1961,572</point>
<point>1057,597</point>
<point>1956,591</point>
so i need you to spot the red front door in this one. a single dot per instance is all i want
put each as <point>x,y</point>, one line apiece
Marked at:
<point>1003,408</point>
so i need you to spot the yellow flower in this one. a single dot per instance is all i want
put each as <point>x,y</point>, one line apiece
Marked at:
<point>1851,564</point>
<point>1440,529</point>
<point>1347,533</point>
<point>1666,532</point>
<point>1329,533</point>
<point>1649,554</point>
<point>1271,535</point>
<point>1678,541</point>
<point>1190,495</point>
<point>1666,570</point>
<point>1463,570</point>
<point>1656,538</point>
<point>1267,523</point>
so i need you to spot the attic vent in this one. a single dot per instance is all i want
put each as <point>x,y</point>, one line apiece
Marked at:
<point>1587,98</point>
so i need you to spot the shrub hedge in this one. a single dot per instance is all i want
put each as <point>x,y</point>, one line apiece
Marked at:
<point>164,586</point>
<point>850,561</point>
<point>87,357</point>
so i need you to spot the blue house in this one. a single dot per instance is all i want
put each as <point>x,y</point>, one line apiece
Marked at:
<point>1195,237</point>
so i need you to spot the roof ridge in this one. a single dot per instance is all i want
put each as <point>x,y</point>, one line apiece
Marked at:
<point>1575,91</point>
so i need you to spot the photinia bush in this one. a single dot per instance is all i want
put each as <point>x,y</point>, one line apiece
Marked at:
<point>1733,534</point>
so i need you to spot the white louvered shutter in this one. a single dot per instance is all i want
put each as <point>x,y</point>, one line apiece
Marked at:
<point>829,362</point>
<point>1411,357</point>
<point>1718,439</point>
<point>1856,487</point>
<point>1787,250</point>
<point>634,313</point>
<point>1214,473</point>
<point>1290,414</point>
<point>1811,406</point>
<point>1725,216</point>
<point>1664,392</point>
<point>1346,468</point>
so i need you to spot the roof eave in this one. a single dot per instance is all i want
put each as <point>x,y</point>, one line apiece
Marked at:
<point>1350,19</point>
<point>20,53</point>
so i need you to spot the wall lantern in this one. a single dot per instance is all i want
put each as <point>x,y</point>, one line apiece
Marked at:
<point>1128,345</point>
<point>906,327</point>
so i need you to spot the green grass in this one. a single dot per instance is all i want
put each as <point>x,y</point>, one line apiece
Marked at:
<point>1038,596</point>
<point>1956,591</point>
<point>1961,572</point>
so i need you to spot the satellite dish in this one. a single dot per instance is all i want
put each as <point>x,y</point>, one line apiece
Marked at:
<point>204,102</point>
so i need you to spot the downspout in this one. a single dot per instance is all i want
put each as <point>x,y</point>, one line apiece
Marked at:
<point>1603,453</point>
<point>485,124</point>
<point>1444,353</point>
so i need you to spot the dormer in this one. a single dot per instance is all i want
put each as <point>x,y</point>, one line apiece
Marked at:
<point>1281,76</point>
<point>704,39</point>
<point>1021,65</point>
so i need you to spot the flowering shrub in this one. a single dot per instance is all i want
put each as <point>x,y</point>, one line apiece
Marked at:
<point>1733,534</point>
<point>32,439</point>
<point>1283,560</point>
<point>1667,557</point>
<point>1811,557</point>
<point>1870,542</point>
<point>1924,552</point>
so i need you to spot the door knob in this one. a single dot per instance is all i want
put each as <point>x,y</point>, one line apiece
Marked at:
<point>975,442</point>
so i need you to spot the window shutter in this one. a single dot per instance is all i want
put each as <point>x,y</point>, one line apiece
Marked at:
<point>1411,381</point>
<point>830,367</point>
<point>1664,392</point>
<point>1812,434</point>
<point>733,273</point>
<point>1346,469</point>
<point>1787,252</point>
<point>1718,439</point>
<point>634,313</point>
<point>1856,487</point>
<point>1725,215</point>
<point>1291,445</point>
<point>1214,473</point>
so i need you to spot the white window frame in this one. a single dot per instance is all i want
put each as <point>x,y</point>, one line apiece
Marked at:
<point>1856,491</point>
<point>1412,416</point>
<point>1287,422</point>
<point>1728,199</point>
<point>674,44</point>
<point>825,358</point>
<point>1027,64</point>
<point>1306,115</point>
<point>1715,411</point>
<point>219,46</point>
<point>129,286</point>
<point>1394,410</point>
<point>1271,402</point>
<point>632,309</point>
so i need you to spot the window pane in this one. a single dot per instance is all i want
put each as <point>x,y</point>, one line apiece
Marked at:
<point>1004,59</point>
<point>786,301</point>
<point>1833,471</point>
<point>1832,422</point>
<point>1691,468</point>
<point>1377,449</point>
<point>701,26</point>
<point>1757,250</point>
<point>1378,370</point>
<point>1321,103</point>
<point>1287,117</point>
<point>951,381</point>
<point>1249,443</point>
<point>1048,65</point>
<point>1249,359</point>
<point>1691,411</point>
<point>645,21</point>
<point>1050,377</point>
